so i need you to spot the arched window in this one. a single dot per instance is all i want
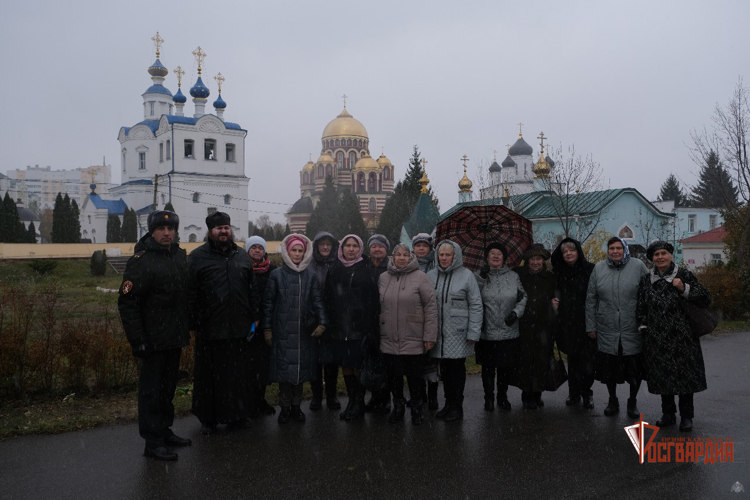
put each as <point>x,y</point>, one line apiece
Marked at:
<point>360,182</point>
<point>340,159</point>
<point>192,238</point>
<point>89,219</point>
<point>306,178</point>
<point>196,197</point>
<point>360,143</point>
<point>338,143</point>
<point>328,170</point>
<point>227,199</point>
<point>386,173</point>
<point>372,205</point>
<point>169,148</point>
<point>352,159</point>
<point>321,173</point>
<point>373,183</point>
<point>626,233</point>
<point>348,142</point>
<point>123,160</point>
<point>163,199</point>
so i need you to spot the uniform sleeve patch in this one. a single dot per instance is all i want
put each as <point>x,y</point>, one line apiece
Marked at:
<point>126,287</point>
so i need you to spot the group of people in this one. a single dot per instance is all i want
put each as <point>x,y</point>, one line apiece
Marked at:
<point>416,314</point>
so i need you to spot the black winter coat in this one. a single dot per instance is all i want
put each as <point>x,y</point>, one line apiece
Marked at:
<point>293,307</point>
<point>352,302</point>
<point>320,265</point>
<point>572,284</point>
<point>261,279</point>
<point>537,327</point>
<point>224,299</point>
<point>153,296</point>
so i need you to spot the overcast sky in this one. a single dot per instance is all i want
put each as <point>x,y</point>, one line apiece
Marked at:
<point>624,81</point>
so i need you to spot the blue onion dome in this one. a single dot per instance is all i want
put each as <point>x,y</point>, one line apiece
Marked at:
<point>549,161</point>
<point>508,162</point>
<point>495,167</point>
<point>219,103</point>
<point>179,97</point>
<point>158,69</point>
<point>199,90</point>
<point>520,148</point>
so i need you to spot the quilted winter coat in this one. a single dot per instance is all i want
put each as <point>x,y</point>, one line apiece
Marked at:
<point>459,307</point>
<point>502,293</point>
<point>408,310</point>
<point>293,307</point>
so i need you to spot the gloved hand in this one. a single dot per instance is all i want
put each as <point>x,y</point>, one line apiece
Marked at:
<point>318,331</point>
<point>141,350</point>
<point>268,335</point>
<point>511,318</point>
<point>484,271</point>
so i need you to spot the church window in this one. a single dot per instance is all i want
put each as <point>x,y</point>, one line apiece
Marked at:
<point>227,199</point>
<point>151,106</point>
<point>230,152</point>
<point>169,149</point>
<point>372,205</point>
<point>373,183</point>
<point>328,171</point>
<point>163,199</point>
<point>161,151</point>
<point>386,173</point>
<point>361,183</point>
<point>306,178</point>
<point>123,160</point>
<point>626,233</point>
<point>320,172</point>
<point>352,159</point>
<point>89,219</point>
<point>348,142</point>
<point>196,197</point>
<point>189,148</point>
<point>209,149</point>
<point>192,238</point>
<point>141,161</point>
<point>340,159</point>
<point>360,143</point>
<point>211,210</point>
<point>170,109</point>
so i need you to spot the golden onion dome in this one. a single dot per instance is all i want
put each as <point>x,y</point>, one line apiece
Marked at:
<point>325,158</point>
<point>383,160</point>
<point>309,167</point>
<point>366,163</point>
<point>465,184</point>
<point>541,169</point>
<point>344,125</point>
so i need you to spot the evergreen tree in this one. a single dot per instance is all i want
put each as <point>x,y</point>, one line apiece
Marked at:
<point>45,225</point>
<point>715,188</point>
<point>129,230</point>
<point>113,229</point>
<point>278,232</point>
<point>287,231</point>
<point>58,220</point>
<point>31,233</point>
<point>12,230</point>
<point>350,219</point>
<point>325,214</point>
<point>395,212</point>
<point>672,191</point>
<point>75,222</point>
<point>3,223</point>
<point>414,172</point>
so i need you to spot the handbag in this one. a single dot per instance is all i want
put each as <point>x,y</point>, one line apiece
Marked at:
<point>702,320</point>
<point>373,374</point>
<point>556,374</point>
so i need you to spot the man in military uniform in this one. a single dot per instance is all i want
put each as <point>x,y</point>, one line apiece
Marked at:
<point>153,309</point>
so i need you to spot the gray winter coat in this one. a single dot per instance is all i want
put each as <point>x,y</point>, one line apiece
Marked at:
<point>408,309</point>
<point>502,293</point>
<point>459,308</point>
<point>293,307</point>
<point>611,303</point>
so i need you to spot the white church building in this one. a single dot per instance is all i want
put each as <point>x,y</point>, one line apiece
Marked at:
<point>195,162</point>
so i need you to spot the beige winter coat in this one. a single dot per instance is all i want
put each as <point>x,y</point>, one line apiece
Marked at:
<point>408,309</point>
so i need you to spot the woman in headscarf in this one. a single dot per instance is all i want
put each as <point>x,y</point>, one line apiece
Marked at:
<point>325,250</point>
<point>573,272</point>
<point>504,301</point>
<point>671,351</point>
<point>293,315</point>
<point>408,329</point>
<point>353,307</point>
<point>537,325</point>
<point>611,320</point>
<point>459,324</point>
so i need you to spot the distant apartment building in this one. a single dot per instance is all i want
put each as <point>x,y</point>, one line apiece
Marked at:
<point>42,183</point>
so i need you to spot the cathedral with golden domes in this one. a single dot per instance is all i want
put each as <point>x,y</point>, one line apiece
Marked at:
<point>345,156</point>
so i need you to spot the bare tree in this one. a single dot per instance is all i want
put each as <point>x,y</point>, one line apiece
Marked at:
<point>572,176</point>
<point>486,189</point>
<point>263,222</point>
<point>729,136</point>
<point>652,228</point>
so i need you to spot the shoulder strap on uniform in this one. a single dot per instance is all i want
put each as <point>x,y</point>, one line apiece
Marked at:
<point>140,254</point>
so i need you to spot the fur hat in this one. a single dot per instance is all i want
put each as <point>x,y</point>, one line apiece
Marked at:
<point>423,238</point>
<point>162,218</point>
<point>536,250</point>
<point>496,246</point>
<point>658,245</point>
<point>218,219</point>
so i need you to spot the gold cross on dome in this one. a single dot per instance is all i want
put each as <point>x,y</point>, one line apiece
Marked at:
<point>219,80</point>
<point>424,164</point>
<point>344,97</point>
<point>158,41</point>
<point>541,138</point>
<point>520,130</point>
<point>179,72</point>
<point>200,56</point>
<point>465,159</point>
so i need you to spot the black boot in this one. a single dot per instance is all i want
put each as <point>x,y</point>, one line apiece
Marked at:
<point>488,383</point>
<point>159,453</point>
<point>456,412</point>
<point>666,420</point>
<point>358,408</point>
<point>588,401</point>
<point>612,407</point>
<point>686,424</point>
<point>399,408</point>
<point>502,394</point>
<point>351,387</point>
<point>284,415</point>
<point>633,411</point>
<point>572,400</point>
<point>432,395</point>
<point>416,412</point>
<point>331,374</point>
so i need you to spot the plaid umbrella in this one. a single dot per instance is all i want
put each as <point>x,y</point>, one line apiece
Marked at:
<point>475,227</point>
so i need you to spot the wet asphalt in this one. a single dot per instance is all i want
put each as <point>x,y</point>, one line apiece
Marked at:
<point>554,452</point>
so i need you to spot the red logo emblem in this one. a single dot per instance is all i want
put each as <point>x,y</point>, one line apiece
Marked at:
<point>126,287</point>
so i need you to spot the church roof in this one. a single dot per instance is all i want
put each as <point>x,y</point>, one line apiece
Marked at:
<point>186,120</point>
<point>24,215</point>
<point>344,125</point>
<point>158,89</point>
<point>520,148</point>
<point>508,162</point>
<point>116,207</point>
<point>424,217</point>
<point>495,167</point>
<point>302,206</point>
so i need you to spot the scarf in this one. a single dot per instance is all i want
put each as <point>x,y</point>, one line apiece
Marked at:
<point>262,268</point>
<point>625,254</point>
<point>668,275</point>
<point>358,258</point>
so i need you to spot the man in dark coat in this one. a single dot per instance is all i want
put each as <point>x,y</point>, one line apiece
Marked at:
<point>153,310</point>
<point>378,247</point>
<point>573,272</point>
<point>224,304</point>
<point>255,246</point>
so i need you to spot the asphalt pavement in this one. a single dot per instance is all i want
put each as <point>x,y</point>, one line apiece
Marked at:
<point>554,452</point>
